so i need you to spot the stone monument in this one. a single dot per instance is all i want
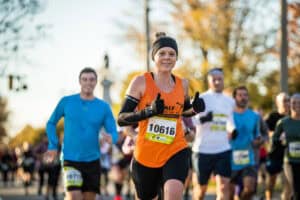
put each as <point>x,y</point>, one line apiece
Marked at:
<point>106,83</point>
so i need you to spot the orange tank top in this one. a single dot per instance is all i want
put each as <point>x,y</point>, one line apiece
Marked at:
<point>160,137</point>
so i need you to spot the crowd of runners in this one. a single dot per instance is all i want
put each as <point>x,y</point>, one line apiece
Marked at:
<point>164,144</point>
<point>26,166</point>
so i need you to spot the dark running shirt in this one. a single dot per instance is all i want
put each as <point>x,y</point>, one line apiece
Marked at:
<point>291,129</point>
<point>272,120</point>
<point>276,153</point>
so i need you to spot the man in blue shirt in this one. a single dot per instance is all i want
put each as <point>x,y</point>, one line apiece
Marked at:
<point>84,116</point>
<point>243,164</point>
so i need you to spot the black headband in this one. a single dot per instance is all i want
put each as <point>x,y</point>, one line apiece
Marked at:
<point>164,42</point>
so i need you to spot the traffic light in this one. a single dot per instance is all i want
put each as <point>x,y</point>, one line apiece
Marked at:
<point>10,82</point>
<point>16,82</point>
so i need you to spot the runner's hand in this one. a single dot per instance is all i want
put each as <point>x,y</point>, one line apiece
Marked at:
<point>158,105</point>
<point>258,141</point>
<point>50,155</point>
<point>233,134</point>
<point>128,145</point>
<point>207,118</point>
<point>106,137</point>
<point>156,108</point>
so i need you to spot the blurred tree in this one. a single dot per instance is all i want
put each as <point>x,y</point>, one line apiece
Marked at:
<point>132,31</point>
<point>27,134</point>
<point>271,80</point>
<point>133,26</point>
<point>3,118</point>
<point>293,81</point>
<point>233,34</point>
<point>33,135</point>
<point>18,29</point>
<point>294,32</point>
<point>126,82</point>
<point>294,46</point>
<point>224,33</point>
<point>190,73</point>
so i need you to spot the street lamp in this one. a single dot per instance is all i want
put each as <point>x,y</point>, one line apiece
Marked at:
<point>284,49</point>
<point>147,32</point>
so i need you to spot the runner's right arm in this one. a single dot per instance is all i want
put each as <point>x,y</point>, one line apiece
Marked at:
<point>110,124</point>
<point>277,136</point>
<point>58,113</point>
<point>128,115</point>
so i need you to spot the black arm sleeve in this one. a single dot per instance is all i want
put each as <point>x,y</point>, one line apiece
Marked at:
<point>188,110</point>
<point>128,115</point>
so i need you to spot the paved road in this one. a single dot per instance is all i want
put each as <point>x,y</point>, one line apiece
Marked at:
<point>17,193</point>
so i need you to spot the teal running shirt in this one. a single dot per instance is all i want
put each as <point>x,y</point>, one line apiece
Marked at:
<point>247,126</point>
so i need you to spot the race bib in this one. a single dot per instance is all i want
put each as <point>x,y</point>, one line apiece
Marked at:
<point>4,167</point>
<point>28,162</point>
<point>241,157</point>
<point>294,149</point>
<point>72,177</point>
<point>219,122</point>
<point>162,130</point>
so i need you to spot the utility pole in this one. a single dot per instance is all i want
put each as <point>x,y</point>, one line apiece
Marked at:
<point>147,34</point>
<point>284,49</point>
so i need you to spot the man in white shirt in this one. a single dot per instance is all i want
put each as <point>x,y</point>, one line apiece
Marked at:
<point>211,147</point>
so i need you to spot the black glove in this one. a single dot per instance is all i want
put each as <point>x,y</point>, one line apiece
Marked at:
<point>198,104</point>
<point>156,108</point>
<point>207,118</point>
<point>234,134</point>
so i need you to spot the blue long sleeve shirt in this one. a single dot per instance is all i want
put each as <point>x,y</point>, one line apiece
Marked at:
<point>83,120</point>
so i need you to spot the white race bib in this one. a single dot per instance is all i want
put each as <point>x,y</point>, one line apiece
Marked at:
<point>72,177</point>
<point>219,122</point>
<point>161,129</point>
<point>4,167</point>
<point>241,157</point>
<point>294,149</point>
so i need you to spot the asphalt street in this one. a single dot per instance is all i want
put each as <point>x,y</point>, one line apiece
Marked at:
<point>17,192</point>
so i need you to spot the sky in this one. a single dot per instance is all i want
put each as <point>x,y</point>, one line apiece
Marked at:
<point>80,34</point>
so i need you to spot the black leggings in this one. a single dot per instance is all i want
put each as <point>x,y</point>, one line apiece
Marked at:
<point>296,179</point>
<point>149,181</point>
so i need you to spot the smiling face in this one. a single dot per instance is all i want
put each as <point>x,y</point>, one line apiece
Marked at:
<point>283,103</point>
<point>216,82</point>
<point>295,105</point>
<point>88,81</point>
<point>165,59</point>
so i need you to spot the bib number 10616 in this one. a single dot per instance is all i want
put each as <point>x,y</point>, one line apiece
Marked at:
<point>162,130</point>
<point>156,128</point>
